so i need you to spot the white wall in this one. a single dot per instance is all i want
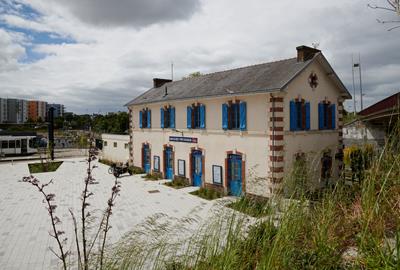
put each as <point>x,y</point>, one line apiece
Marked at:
<point>120,153</point>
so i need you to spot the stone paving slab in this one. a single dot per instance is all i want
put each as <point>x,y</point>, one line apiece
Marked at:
<point>24,223</point>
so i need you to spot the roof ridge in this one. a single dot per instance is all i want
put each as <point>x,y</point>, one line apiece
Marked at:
<point>232,69</point>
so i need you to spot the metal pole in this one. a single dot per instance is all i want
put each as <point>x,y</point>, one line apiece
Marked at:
<point>354,86</point>
<point>172,71</point>
<point>361,93</point>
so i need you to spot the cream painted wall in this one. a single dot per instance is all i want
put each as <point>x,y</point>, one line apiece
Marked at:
<point>253,143</point>
<point>115,154</point>
<point>315,141</point>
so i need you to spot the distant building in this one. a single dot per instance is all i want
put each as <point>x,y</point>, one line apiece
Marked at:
<point>13,110</point>
<point>58,109</point>
<point>32,110</point>
<point>3,110</point>
<point>374,122</point>
<point>37,110</point>
<point>23,111</point>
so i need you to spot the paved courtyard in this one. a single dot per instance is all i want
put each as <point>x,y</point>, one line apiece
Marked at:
<point>25,224</point>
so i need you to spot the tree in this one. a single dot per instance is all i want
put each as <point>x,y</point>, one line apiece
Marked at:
<point>192,75</point>
<point>392,6</point>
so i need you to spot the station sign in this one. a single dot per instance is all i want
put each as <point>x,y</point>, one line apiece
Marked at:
<point>182,139</point>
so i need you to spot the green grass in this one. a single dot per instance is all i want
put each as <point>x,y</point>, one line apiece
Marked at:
<point>208,193</point>
<point>293,233</point>
<point>44,167</point>
<point>251,206</point>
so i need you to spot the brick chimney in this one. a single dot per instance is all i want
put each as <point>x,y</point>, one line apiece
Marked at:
<point>157,82</point>
<point>305,53</point>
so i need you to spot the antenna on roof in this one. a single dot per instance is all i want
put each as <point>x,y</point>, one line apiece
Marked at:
<point>172,71</point>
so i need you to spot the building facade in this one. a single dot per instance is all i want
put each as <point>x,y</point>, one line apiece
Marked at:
<point>58,109</point>
<point>3,110</point>
<point>115,147</point>
<point>241,130</point>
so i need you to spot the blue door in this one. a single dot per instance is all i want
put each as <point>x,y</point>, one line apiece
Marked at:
<point>197,168</point>
<point>146,158</point>
<point>169,163</point>
<point>235,174</point>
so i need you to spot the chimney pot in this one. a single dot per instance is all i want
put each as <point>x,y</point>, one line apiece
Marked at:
<point>305,53</point>
<point>157,82</point>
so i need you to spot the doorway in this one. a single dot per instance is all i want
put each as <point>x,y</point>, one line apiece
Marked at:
<point>235,174</point>
<point>168,162</point>
<point>197,167</point>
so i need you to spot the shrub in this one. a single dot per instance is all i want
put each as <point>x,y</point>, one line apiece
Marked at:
<point>136,170</point>
<point>208,193</point>
<point>252,206</point>
<point>178,182</point>
<point>153,176</point>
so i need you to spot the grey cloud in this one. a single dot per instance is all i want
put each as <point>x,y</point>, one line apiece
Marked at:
<point>136,13</point>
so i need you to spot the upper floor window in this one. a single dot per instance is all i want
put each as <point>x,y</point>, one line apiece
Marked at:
<point>234,115</point>
<point>145,118</point>
<point>196,116</point>
<point>167,116</point>
<point>299,115</point>
<point>327,115</point>
<point>105,143</point>
<point>115,144</point>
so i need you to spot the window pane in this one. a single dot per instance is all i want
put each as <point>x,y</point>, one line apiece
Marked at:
<point>4,144</point>
<point>115,144</point>
<point>11,144</point>
<point>18,144</point>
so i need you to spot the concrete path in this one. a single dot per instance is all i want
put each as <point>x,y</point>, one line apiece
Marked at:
<point>24,223</point>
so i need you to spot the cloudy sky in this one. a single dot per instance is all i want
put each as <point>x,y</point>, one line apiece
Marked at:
<point>96,55</point>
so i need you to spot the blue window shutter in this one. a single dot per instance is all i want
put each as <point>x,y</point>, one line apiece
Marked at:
<point>224,116</point>
<point>202,116</point>
<point>307,115</point>
<point>162,117</point>
<point>172,117</point>
<point>293,116</point>
<point>321,115</point>
<point>333,111</point>
<point>149,119</point>
<point>243,110</point>
<point>189,117</point>
<point>140,119</point>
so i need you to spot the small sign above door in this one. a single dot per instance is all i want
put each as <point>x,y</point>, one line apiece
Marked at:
<point>182,139</point>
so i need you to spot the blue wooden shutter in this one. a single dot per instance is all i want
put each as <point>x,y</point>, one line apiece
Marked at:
<point>149,119</point>
<point>162,117</point>
<point>140,119</point>
<point>172,117</point>
<point>243,110</point>
<point>224,116</point>
<point>189,117</point>
<point>321,115</point>
<point>293,116</point>
<point>202,116</point>
<point>307,115</point>
<point>333,111</point>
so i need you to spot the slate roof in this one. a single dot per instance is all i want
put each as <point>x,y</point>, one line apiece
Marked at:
<point>265,77</point>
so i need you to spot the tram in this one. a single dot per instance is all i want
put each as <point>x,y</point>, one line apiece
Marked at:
<point>18,143</point>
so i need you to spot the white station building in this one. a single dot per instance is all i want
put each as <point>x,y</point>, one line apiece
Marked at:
<point>240,130</point>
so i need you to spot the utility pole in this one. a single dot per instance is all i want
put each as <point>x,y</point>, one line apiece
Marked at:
<point>172,71</point>
<point>358,65</point>
<point>354,86</point>
<point>361,93</point>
